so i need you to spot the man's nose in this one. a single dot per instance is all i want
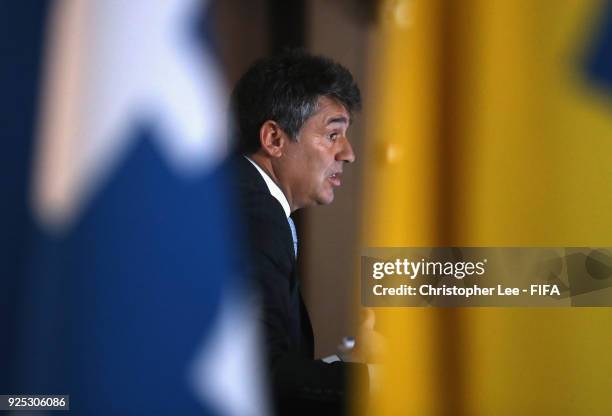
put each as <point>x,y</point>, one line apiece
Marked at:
<point>346,153</point>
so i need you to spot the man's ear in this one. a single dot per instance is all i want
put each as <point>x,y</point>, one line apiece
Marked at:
<point>272,138</point>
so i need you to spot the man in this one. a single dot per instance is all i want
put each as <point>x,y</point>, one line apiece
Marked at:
<point>292,113</point>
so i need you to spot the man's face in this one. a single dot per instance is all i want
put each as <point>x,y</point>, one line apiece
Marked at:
<point>312,166</point>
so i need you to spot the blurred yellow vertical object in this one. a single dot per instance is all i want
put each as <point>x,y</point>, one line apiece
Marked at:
<point>401,165</point>
<point>484,132</point>
<point>535,170</point>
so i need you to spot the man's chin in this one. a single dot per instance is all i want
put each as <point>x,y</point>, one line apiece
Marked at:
<point>326,199</point>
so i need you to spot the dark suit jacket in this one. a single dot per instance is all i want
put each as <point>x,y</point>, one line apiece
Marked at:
<point>299,383</point>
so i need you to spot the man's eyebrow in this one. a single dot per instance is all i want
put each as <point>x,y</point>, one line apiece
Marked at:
<point>339,119</point>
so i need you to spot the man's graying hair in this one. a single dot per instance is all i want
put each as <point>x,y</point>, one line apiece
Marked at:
<point>286,88</point>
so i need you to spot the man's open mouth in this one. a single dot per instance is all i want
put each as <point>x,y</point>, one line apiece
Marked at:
<point>335,179</point>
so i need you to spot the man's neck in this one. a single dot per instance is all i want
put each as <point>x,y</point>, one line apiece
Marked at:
<point>266,165</point>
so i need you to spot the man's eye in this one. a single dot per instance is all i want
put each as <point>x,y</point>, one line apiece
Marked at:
<point>333,137</point>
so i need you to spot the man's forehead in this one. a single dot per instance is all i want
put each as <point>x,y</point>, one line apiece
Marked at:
<point>332,111</point>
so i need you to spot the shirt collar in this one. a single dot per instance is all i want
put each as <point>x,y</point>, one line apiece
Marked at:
<point>273,188</point>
